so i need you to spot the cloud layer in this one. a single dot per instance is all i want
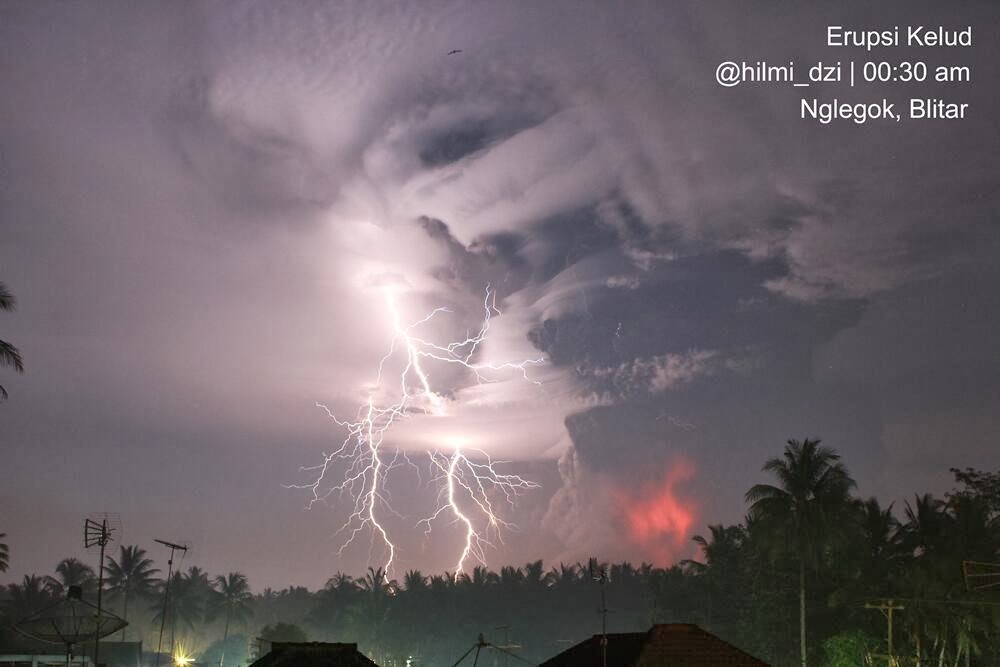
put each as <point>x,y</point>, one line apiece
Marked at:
<point>203,207</point>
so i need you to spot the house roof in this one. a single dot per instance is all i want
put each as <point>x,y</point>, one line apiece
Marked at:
<point>313,654</point>
<point>667,645</point>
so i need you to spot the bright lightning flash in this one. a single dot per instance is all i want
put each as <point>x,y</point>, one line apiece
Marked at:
<point>473,484</point>
<point>462,475</point>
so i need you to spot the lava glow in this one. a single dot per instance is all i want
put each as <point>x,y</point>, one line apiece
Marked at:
<point>659,518</point>
<point>469,489</point>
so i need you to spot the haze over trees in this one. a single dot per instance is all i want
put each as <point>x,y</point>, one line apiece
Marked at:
<point>788,585</point>
<point>130,576</point>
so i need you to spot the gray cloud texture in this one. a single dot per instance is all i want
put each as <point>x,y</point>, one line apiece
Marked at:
<point>201,202</point>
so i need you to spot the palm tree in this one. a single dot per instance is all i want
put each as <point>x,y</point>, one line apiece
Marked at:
<point>510,577</point>
<point>187,596</point>
<point>190,595</point>
<point>722,575</point>
<point>231,594</point>
<point>130,575</point>
<point>565,577</point>
<point>27,597</point>
<point>9,355</point>
<point>414,582</point>
<point>71,572</point>
<point>373,610</point>
<point>4,554</point>
<point>331,605</point>
<point>535,577</point>
<point>806,512</point>
<point>936,536</point>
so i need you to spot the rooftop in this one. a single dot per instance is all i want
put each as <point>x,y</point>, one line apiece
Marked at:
<point>670,644</point>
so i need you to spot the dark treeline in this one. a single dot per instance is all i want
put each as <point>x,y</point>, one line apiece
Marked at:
<point>794,576</point>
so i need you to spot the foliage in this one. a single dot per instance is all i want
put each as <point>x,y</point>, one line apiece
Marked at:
<point>232,650</point>
<point>744,587</point>
<point>230,597</point>
<point>10,357</point>
<point>27,597</point>
<point>130,576</point>
<point>283,632</point>
<point>71,572</point>
<point>4,553</point>
<point>849,649</point>
<point>978,484</point>
<point>807,516</point>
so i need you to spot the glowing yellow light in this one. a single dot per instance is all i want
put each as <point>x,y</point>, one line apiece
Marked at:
<point>182,660</point>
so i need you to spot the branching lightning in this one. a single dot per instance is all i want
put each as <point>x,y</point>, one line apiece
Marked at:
<point>469,488</point>
<point>475,480</point>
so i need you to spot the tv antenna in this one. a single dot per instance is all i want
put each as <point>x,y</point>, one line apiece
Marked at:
<point>979,576</point>
<point>480,644</point>
<point>99,531</point>
<point>166,596</point>
<point>601,576</point>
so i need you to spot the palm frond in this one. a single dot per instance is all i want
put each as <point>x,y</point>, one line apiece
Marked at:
<point>10,357</point>
<point>7,300</point>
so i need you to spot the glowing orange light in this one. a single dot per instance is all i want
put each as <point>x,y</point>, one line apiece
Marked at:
<point>659,519</point>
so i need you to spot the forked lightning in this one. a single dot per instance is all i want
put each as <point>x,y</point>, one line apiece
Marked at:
<point>469,487</point>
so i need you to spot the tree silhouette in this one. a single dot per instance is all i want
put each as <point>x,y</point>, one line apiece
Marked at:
<point>9,355</point>
<point>189,592</point>
<point>27,597</point>
<point>231,597</point>
<point>71,572</point>
<point>374,603</point>
<point>283,632</point>
<point>129,576</point>
<point>4,553</point>
<point>806,512</point>
<point>936,536</point>
<point>414,582</point>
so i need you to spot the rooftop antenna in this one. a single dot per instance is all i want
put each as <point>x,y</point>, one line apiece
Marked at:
<point>99,531</point>
<point>979,576</point>
<point>601,576</point>
<point>166,596</point>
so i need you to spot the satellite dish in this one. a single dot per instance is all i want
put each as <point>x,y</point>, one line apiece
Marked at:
<point>480,644</point>
<point>70,621</point>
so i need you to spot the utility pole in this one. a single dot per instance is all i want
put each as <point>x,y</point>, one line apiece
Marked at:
<point>887,607</point>
<point>98,534</point>
<point>166,597</point>
<point>603,611</point>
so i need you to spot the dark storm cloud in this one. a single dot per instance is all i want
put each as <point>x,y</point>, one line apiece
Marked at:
<point>198,203</point>
<point>462,137</point>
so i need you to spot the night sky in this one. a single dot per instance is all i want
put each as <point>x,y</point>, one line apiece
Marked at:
<point>203,205</point>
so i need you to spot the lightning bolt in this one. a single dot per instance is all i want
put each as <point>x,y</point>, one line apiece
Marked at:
<point>475,484</point>
<point>478,481</point>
